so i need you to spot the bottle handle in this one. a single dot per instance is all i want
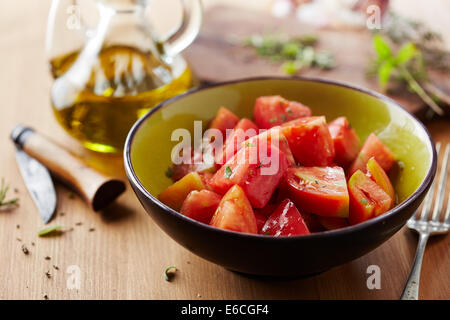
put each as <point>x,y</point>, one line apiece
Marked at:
<point>188,30</point>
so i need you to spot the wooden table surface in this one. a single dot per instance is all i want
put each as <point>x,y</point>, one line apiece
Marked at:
<point>126,255</point>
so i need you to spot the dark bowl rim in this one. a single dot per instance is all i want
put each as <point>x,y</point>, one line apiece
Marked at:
<point>323,234</point>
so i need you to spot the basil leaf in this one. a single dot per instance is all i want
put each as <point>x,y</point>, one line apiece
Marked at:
<point>382,48</point>
<point>407,52</point>
<point>384,74</point>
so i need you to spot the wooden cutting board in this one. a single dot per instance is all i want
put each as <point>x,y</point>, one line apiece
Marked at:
<point>216,54</point>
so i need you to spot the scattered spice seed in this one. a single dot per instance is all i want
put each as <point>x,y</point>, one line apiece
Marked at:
<point>18,239</point>
<point>91,229</point>
<point>170,273</point>
<point>18,226</point>
<point>78,223</point>
<point>45,297</point>
<point>55,267</point>
<point>32,244</point>
<point>61,214</point>
<point>48,275</point>
<point>71,195</point>
<point>47,258</point>
<point>25,249</point>
<point>199,295</point>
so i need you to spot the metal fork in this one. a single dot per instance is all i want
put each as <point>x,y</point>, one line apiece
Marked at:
<point>427,226</point>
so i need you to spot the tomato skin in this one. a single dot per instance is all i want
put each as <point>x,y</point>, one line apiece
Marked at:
<point>373,147</point>
<point>235,212</point>
<point>200,205</point>
<point>346,141</point>
<point>367,199</point>
<point>244,130</point>
<point>331,223</point>
<point>319,190</point>
<point>260,220</point>
<point>249,170</point>
<point>176,193</point>
<point>310,141</point>
<point>196,164</point>
<point>271,111</point>
<point>285,221</point>
<point>223,120</point>
<point>377,174</point>
<point>276,137</point>
<point>267,210</point>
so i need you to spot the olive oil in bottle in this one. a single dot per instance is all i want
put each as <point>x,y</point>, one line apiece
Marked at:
<point>124,83</point>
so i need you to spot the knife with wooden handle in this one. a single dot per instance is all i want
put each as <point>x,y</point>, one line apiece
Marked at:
<point>95,188</point>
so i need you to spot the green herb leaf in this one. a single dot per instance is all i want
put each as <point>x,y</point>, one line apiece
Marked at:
<point>249,144</point>
<point>364,201</point>
<point>169,172</point>
<point>53,230</point>
<point>169,273</point>
<point>3,191</point>
<point>407,52</point>
<point>384,74</point>
<point>228,172</point>
<point>382,48</point>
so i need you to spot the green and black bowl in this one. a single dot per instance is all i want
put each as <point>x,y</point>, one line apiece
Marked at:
<point>148,155</point>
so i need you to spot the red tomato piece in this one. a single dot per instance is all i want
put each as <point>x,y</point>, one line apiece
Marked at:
<point>346,141</point>
<point>242,131</point>
<point>224,119</point>
<point>267,210</point>
<point>235,212</point>
<point>310,141</point>
<point>373,147</point>
<point>377,174</point>
<point>319,190</point>
<point>260,220</point>
<point>201,205</point>
<point>331,223</point>
<point>256,170</point>
<point>285,221</point>
<point>276,137</point>
<point>196,163</point>
<point>367,199</point>
<point>271,111</point>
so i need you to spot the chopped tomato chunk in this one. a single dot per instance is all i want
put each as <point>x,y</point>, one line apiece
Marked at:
<point>373,147</point>
<point>285,221</point>
<point>271,111</point>
<point>319,190</point>
<point>367,199</point>
<point>175,194</point>
<point>377,174</point>
<point>200,205</point>
<point>310,141</point>
<point>242,131</point>
<point>224,119</point>
<point>235,212</point>
<point>256,170</point>
<point>346,141</point>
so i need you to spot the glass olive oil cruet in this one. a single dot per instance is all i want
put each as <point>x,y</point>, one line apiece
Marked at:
<point>110,66</point>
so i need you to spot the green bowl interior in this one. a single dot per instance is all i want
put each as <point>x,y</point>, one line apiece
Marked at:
<point>151,147</point>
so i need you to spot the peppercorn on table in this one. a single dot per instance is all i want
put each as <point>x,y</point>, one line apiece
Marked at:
<point>120,253</point>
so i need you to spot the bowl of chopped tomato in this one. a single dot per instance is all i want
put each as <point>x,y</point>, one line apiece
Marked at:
<point>280,176</point>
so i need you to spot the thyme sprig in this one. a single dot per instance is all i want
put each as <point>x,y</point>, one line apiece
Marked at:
<point>4,188</point>
<point>295,52</point>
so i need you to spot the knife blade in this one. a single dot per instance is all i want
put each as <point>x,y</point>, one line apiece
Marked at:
<point>38,182</point>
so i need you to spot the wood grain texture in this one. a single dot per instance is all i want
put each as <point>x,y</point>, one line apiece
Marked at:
<point>126,255</point>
